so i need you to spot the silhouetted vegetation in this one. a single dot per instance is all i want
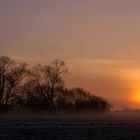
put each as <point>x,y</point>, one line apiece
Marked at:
<point>42,87</point>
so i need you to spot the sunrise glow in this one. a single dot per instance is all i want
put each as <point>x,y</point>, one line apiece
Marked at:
<point>136,95</point>
<point>98,40</point>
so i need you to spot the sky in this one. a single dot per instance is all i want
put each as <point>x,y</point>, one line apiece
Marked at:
<point>98,40</point>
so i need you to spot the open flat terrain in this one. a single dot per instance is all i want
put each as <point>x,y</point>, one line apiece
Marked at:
<point>84,126</point>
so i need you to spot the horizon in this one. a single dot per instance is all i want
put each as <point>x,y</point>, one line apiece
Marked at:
<point>98,40</point>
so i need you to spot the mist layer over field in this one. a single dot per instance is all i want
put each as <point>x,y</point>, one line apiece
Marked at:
<point>109,126</point>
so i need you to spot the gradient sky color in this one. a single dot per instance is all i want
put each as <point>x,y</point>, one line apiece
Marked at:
<point>98,39</point>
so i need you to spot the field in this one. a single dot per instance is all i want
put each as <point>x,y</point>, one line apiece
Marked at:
<point>81,126</point>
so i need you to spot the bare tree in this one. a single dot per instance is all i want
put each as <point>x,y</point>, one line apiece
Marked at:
<point>48,78</point>
<point>13,79</point>
<point>11,74</point>
<point>5,63</point>
<point>43,87</point>
<point>77,99</point>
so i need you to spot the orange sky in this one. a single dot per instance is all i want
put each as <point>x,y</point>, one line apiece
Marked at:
<point>98,39</point>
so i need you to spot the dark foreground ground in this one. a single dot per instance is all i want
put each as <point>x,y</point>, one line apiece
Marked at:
<point>90,126</point>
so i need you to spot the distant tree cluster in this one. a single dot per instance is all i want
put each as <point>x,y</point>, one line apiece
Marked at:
<point>42,87</point>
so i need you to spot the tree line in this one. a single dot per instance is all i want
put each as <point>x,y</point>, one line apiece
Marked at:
<point>42,87</point>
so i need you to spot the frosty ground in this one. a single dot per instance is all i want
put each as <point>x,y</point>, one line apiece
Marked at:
<point>70,126</point>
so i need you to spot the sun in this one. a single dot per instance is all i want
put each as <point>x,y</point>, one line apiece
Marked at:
<point>136,96</point>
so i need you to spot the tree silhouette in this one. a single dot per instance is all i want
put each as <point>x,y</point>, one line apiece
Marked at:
<point>11,74</point>
<point>42,87</point>
<point>47,78</point>
<point>77,99</point>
